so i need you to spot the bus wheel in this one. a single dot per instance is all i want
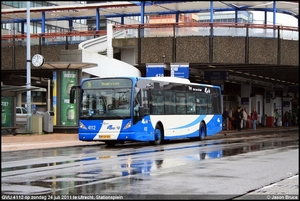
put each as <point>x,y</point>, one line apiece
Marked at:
<point>158,136</point>
<point>110,143</point>
<point>202,131</point>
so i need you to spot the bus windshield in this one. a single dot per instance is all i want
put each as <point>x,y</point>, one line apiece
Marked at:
<point>101,100</point>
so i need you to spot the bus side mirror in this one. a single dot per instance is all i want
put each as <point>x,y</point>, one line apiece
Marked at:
<point>72,94</point>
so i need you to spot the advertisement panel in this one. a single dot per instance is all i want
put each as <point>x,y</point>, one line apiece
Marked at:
<point>7,111</point>
<point>68,111</point>
<point>54,92</point>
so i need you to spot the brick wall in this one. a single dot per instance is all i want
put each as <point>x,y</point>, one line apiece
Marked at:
<point>193,49</point>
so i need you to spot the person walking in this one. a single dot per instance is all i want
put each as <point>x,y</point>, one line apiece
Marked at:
<point>245,118</point>
<point>230,120</point>
<point>225,119</point>
<point>286,118</point>
<point>237,115</point>
<point>254,118</point>
<point>276,116</point>
<point>290,118</point>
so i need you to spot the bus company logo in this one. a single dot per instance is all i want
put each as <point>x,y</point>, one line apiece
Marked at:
<point>111,127</point>
<point>206,90</point>
<point>144,121</point>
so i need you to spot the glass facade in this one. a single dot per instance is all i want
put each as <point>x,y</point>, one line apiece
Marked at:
<point>229,17</point>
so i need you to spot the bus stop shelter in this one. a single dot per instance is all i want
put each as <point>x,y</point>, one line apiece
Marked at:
<point>9,95</point>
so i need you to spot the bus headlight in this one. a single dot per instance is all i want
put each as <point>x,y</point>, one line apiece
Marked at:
<point>128,125</point>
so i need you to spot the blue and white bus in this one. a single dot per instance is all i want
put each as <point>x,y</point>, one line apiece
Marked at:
<point>146,109</point>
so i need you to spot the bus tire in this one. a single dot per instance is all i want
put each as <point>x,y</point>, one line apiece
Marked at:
<point>158,135</point>
<point>202,131</point>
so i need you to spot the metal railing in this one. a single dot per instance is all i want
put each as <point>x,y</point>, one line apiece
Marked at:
<point>160,30</point>
<point>209,29</point>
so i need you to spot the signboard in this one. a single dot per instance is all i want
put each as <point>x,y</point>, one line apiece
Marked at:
<point>216,75</point>
<point>286,103</point>
<point>7,110</point>
<point>68,110</point>
<point>179,70</point>
<point>269,95</point>
<point>155,70</point>
<point>244,100</point>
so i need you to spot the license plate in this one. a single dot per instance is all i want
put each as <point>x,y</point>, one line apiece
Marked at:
<point>104,156</point>
<point>105,136</point>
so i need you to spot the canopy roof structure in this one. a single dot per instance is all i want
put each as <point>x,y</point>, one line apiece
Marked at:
<point>288,73</point>
<point>133,8</point>
<point>8,89</point>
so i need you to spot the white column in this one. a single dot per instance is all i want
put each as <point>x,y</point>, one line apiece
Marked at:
<point>19,100</point>
<point>110,50</point>
<point>245,97</point>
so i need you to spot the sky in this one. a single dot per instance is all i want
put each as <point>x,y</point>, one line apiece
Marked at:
<point>283,19</point>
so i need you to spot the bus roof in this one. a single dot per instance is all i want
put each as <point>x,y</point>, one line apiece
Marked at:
<point>169,79</point>
<point>162,79</point>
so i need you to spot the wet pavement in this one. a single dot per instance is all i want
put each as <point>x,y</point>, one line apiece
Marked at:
<point>287,187</point>
<point>11,142</point>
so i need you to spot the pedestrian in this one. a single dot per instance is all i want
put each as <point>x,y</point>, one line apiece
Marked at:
<point>286,118</point>
<point>295,119</point>
<point>276,116</point>
<point>237,115</point>
<point>254,118</point>
<point>242,121</point>
<point>290,118</point>
<point>245,118</point>
<point>230,123</point>
<point>225,119</point>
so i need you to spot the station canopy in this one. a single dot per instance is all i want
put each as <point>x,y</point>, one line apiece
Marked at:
<point>133,8</point>
<point>8,89</point>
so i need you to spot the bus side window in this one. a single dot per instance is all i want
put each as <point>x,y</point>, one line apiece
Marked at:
<point>201,104</point>
<point>169,102</point>
<point>157,99</point>
<point>191,105</point>
<point>216,101</point>
<point>180,103</point>
<point>209,105</point>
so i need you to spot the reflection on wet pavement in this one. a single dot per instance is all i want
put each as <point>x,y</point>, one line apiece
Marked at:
<point>101,169</point>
